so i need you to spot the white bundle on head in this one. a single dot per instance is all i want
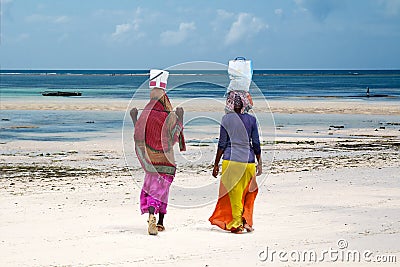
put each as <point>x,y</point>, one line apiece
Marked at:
<point>158,79</point>
<point>240,73</point>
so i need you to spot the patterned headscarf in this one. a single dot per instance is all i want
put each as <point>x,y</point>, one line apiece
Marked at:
<point>237,102</point>
<point>234,96</point>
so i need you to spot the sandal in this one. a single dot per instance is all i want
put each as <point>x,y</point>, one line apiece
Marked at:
<point>248,227</point>
<point>238,230</point>
<point>160,227</point>
<point>152,225</point>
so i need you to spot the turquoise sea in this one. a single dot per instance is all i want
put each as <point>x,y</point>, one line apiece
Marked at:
<point>301,85</point>
<point>272,83</point>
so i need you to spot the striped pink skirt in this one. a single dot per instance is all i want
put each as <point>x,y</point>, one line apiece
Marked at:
<point>155,192</point>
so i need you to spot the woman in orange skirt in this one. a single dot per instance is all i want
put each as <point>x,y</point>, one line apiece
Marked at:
<point>239,145</point>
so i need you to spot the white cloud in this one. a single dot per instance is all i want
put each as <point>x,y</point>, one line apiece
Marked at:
<point>121,29</point>
<point>177,37</point>
<point>222,20</point>
<point>245,26</point>
<point>129,30</point>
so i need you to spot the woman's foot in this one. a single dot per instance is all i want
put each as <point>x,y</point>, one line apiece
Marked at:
<point>160,227</point>
<point>248,227</point>
<point>238,230</point>
<point>152,229</point>
<point>160,224</point>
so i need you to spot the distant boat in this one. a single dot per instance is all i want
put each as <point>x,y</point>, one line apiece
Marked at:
<point>370,95</point>
<point>60,93</point>
<point>377,95</point>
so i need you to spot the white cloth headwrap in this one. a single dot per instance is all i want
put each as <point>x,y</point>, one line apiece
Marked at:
<point>158,79</point>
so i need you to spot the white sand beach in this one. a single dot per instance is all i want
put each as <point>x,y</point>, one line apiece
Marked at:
<point>201,104</point>
<point>77,204</point>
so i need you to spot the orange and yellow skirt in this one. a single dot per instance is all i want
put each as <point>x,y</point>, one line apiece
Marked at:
<point>237,193</point>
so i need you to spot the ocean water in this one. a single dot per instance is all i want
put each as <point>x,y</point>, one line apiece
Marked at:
<point>272,84</point>
<point>59,125</point>
<point>41,125</point>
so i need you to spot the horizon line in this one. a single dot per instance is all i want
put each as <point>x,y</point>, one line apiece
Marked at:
<point>137,69</point>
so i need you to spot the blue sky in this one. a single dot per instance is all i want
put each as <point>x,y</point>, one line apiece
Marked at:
<point>127,34</point>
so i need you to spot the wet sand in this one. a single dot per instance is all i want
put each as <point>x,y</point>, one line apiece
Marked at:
<point>276,106</point>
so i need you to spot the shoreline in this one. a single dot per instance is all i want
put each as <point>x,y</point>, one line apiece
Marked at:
<point>375,107</point>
